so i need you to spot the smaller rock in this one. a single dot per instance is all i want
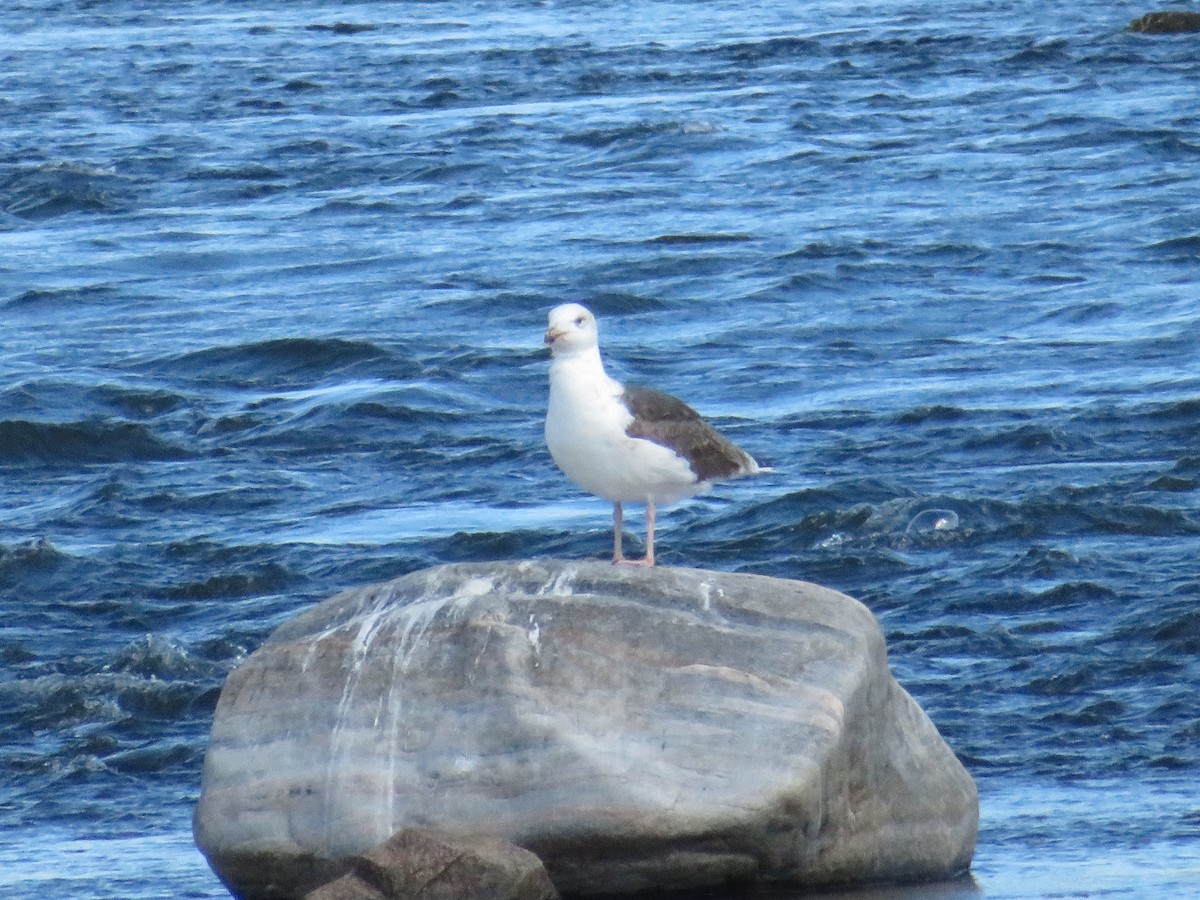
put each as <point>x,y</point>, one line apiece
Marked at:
<point>1167,22</point>
<point>424,864</point>
<point>348,887</point>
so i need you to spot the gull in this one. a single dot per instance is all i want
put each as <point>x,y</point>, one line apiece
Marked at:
<point>624,443</point>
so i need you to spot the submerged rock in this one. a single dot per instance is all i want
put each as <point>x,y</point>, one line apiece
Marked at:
<point>634,728</point>
<point>1171,21</point>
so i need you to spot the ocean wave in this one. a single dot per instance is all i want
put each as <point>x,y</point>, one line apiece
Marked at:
<point>693,238</point>
<point>641,134</point>
<point>1184,248</point>
<point>266,579</point>
<point>50,190</point>
<point>1025,438</point>
<point>277,362</point>
<point>34,554</point>
<point>937,413</point>
<point>154,656</point>
<point>157,757</point>
<point>769,50</point>
<point>140,403</point>
<point>344,28</point>
<point>1038,53</point>
<point>54,398</point>
<point>246,172</point>
<point>101,713</point>
<point>42,298</point>
<point>853,520</point>
<point>344,206</point>
<point>72,443</point>
<point>827,250</point>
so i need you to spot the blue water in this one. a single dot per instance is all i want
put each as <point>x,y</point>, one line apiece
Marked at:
<point>273,278</point>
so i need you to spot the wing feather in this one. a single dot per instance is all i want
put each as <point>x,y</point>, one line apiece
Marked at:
<point>669,421</point>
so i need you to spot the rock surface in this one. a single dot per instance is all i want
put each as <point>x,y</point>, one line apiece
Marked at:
<point>635,729</point>
<point>419,864</point>
<point>1170,21</point>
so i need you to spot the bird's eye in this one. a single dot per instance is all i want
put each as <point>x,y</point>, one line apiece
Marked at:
<point>580,321</point>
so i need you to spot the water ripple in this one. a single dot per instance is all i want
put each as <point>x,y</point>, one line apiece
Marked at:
<point>274,278</point>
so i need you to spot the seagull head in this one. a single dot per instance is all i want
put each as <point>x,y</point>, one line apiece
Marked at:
<point>572,329</point>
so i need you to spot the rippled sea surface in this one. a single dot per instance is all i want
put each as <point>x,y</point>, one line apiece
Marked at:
<point>273,278</point>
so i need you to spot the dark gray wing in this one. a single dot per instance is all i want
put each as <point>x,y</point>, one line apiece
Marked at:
<point>669,421</point>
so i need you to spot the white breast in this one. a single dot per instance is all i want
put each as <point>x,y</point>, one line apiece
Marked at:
<point>585,433</point>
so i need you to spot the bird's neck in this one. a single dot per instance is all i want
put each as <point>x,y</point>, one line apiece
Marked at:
<point>581,371</point>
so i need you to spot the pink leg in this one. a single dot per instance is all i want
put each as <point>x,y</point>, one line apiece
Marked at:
<point>650,516</point>
<point>618,557</point>
<point>618,524</point>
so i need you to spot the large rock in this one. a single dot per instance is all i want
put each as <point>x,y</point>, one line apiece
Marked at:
<point>634,728</point>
